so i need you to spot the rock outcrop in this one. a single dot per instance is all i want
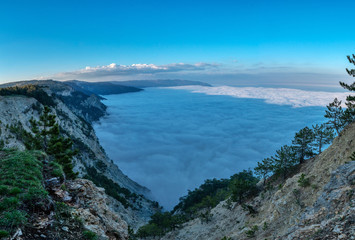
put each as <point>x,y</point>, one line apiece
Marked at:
<point>91,205</point>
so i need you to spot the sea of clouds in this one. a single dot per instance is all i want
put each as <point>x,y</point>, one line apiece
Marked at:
<point>280,96</point>
<point>171,140</point>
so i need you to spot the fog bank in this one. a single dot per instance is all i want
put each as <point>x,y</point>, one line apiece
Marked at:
<point>172,140</point>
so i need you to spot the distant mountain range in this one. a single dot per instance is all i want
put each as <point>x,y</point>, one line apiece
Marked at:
<point>159,83</point>
<point>117,87</point>
<point>100,88</point>
<point>109,87</point>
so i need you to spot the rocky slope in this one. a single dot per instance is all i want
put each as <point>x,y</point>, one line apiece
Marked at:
<point>74,118</point>
<point>323,210</point>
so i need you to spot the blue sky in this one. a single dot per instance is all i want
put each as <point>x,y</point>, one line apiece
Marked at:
<point>59,39</point>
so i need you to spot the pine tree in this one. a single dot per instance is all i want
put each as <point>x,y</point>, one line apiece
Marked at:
<point>47,121</point>
<point>349,113</point>
<point>242,185</point>
<point>49,140</point>
<point>303,144</point>
<point>61,149</point>
<point>284,160</point>
<point>322,135</point>
<point>37,139</point>
<point>351,87</point>
<point>335,114</point>
<point>264,168</point>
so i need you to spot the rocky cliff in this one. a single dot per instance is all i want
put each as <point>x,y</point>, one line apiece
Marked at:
<point>129,202</point>
<point>323,210</point>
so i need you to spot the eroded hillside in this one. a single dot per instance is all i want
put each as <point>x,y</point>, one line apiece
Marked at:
<point>120,195</point>
<point>323,210</point>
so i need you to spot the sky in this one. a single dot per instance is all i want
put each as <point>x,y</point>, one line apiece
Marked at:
<point>220,42</point>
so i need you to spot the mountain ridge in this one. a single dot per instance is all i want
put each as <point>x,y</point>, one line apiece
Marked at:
<point>74,119</point>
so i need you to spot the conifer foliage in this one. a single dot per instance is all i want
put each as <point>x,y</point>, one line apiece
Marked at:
<point>335,115</point>
<point>264,169</point>
<point>303,144</point>
<point>284,159</point>
<point>243,185</point>
<point>49,139</point>
<point>322,135</point>
<point>350,100</point>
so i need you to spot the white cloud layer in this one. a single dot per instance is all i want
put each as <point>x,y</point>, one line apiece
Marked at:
<point>280,96</point>
<point>114,69</point>
<point>171,140</point>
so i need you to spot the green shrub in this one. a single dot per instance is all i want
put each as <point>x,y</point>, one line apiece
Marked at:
<point>149,230</point>
<point>249,208</point>
<point>226,238</point>
<point>3,190</point>
<point>303,181</point>
<point>265,226</point>
<point>57,169</point>
<point>13,218</point>
<point>89,235</point>
<point>15,191</point>
<point>4,234</point>
<point>35,193</point>
<point>251,232</point>
<point>62,210</point>
<point>9,203</point>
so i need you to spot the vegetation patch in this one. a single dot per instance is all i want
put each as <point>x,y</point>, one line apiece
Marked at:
<point>303,181</point>
<point>21,189</point>
<point>29,90</point>
<point>199,202</point>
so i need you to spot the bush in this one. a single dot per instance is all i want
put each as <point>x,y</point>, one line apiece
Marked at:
<point>251,232</point>
<point>13,218</point>
<point>226,238</point>
<point>4,234</point>
<point>15,191</point>
<point>249,208</point>
<point>303,181</point>
<point>3,190</point>
<point>57,170</point>
<point>62,210</point>
<point>9,203</point>
<point>89,235</point>
<point>149,230</point>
